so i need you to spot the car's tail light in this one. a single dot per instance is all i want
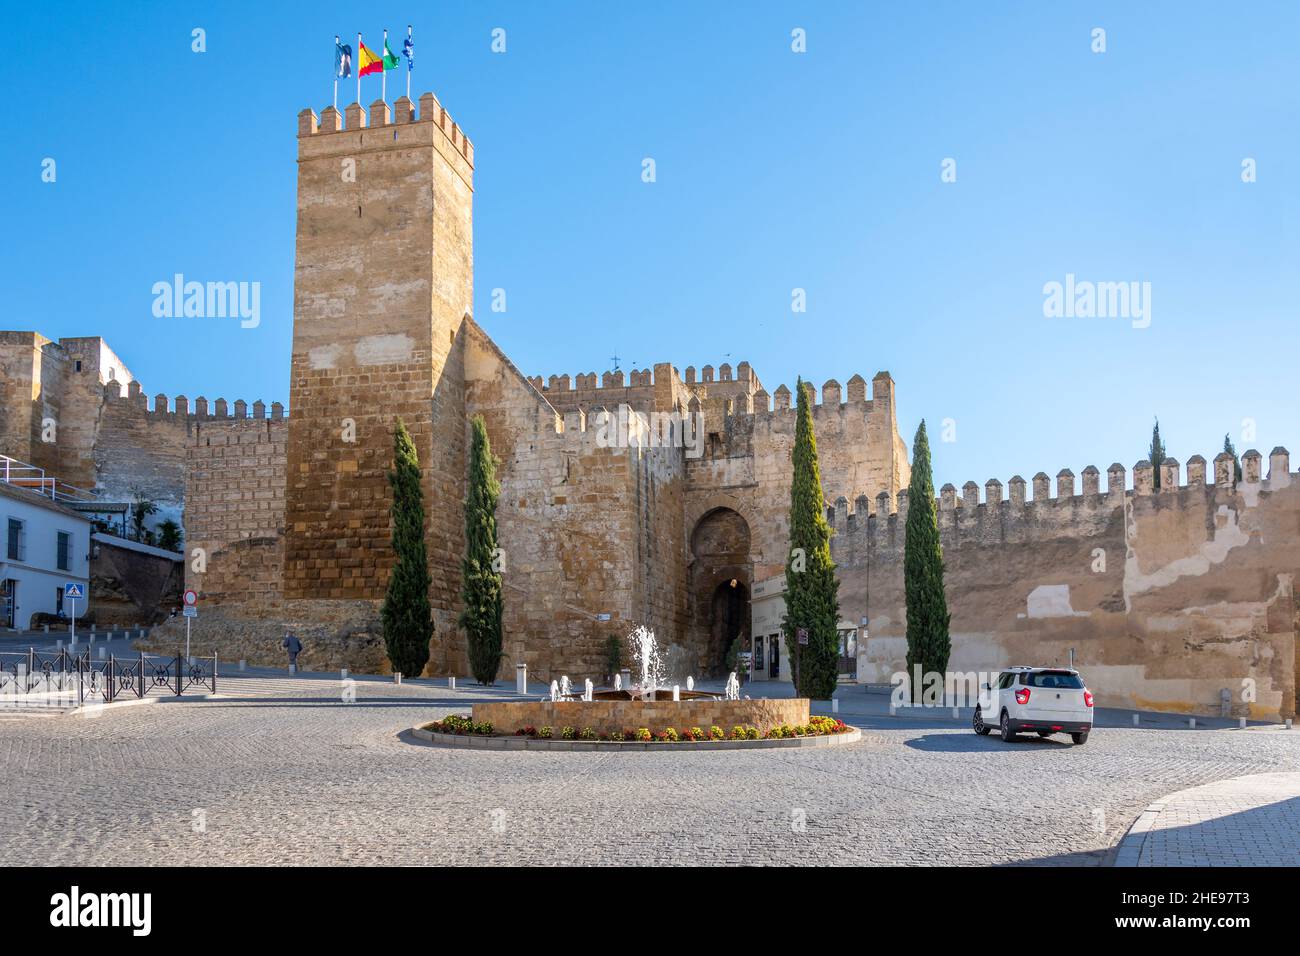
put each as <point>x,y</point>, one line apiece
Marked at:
<point>1087,698</point>
<point>1022,695</point>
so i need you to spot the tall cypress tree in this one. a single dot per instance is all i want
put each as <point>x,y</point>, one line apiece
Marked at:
<point>481,591</point>
<point>811,591</point>
<point>407,616</point>
<point>928,642</point>
<point>1231,450</point>
<point>1156,453</point>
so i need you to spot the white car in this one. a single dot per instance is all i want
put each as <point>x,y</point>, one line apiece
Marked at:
<point>1045,700</point>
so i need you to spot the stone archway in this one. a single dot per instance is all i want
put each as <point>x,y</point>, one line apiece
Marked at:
<point>721,582</point>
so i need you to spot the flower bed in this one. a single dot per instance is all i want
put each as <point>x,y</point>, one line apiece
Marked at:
<point>817,726</point>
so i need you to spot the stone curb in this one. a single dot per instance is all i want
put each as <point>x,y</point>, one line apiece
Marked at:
<point>470,742</point>
<point>1129,851</point>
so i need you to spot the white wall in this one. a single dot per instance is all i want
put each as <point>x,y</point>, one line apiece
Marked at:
<point>37,573</point>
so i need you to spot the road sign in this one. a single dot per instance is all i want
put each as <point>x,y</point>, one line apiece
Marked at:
<point>190,611</point>
<point>191,598</point>
<point>73,591</point>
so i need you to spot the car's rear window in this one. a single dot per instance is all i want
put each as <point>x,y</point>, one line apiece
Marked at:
<point>1058,679</point>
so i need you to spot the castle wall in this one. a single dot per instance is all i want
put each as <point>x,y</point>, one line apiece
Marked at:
<point>1199,600</point>
<point>574,521</point>
<point>20,393</point>
<point>858,448</point>
<point>235,485</point>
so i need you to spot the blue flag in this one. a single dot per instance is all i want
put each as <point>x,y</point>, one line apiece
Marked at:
<point>342,60</point>
<point>408,51</point>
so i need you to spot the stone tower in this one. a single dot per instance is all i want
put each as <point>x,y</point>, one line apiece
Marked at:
<point>383,280</point>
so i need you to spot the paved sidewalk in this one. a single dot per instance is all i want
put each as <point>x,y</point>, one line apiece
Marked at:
<point>1246,821</point>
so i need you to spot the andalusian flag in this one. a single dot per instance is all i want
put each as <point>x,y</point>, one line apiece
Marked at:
<point>390,58</point>
<point>368,62</point>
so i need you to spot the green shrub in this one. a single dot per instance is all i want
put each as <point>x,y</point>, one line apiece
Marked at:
<point>716,733</point>
<point>587,734</point>
<point>568,733</point>
<point>545,733</point>
<point>643,733</point>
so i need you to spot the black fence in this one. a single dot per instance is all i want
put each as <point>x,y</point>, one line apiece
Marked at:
<point>62,676</point>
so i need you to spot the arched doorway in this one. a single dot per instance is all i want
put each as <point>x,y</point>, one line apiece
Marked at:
<point>721,574</point>
<point>729,616</point>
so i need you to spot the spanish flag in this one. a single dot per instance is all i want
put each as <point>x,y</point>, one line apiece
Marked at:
<point>369,62</point>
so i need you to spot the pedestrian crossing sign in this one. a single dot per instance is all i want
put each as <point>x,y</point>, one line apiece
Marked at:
<point>73,591</point>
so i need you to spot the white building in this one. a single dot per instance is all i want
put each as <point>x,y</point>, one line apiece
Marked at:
<point>767,645</point>
<point>44,545</point>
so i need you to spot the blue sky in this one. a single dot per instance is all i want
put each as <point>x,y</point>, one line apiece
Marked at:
<point>775,171</point>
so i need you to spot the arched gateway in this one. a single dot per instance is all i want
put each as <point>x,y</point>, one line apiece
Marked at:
<point>721,581</point>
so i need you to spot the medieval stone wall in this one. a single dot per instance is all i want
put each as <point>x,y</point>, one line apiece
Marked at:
<point>1166,598</point>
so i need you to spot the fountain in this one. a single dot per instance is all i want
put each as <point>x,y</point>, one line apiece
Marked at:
<point>733,687</point>
<point>651,697</point>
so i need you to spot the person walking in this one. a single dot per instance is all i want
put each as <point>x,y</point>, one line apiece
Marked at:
<point>294,647</point>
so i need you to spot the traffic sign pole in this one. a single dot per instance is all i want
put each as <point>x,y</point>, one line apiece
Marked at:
<point>72,632</point>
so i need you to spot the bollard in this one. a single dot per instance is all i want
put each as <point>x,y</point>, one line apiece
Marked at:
<point>451,683</point>
<point>892,709</point>
<point>92,638</point>
<point>60,645</point>
<point>47,629</point>
<point>1288,723</point>
<point>627,677</point>
<point>1137,719</point>
<point>955,714</point>
<point>1191,723</point>
<point>243,664</point>
<point>293,669</point>
<point>1242,723</point>
<point>343,673</point>
<point>397,677</point>
<point>103,652</point>
<point>677,692</point>
<point>521,678</point>
<point>835,705</point>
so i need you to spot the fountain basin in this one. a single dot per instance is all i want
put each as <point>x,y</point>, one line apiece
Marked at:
<point>612,711</point>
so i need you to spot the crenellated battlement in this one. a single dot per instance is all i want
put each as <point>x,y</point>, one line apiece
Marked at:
<point>1039,492</point>
<point>178,409</point>
<point>354,118</point>
<point>586,382</point>
<point>833,399</point>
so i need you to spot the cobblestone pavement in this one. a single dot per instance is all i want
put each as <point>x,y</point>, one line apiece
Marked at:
<point>1248,821</point>
<point>279,770</point>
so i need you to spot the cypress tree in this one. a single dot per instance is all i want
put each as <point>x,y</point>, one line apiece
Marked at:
<point>1157,453</point>
<point>406,615</point>
<point>481,590</point>
<point>928,642</point>
<point>1231,450</point>
<point>811,591</point>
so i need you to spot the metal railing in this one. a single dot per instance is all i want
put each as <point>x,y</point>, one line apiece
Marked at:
<point>20,474</point>
<point>64,676</point>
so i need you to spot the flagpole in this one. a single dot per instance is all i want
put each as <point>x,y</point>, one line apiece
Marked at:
<point>383,73</point>
<point>357,67</point>
<point>337,55</point>
<point>408,66</point>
